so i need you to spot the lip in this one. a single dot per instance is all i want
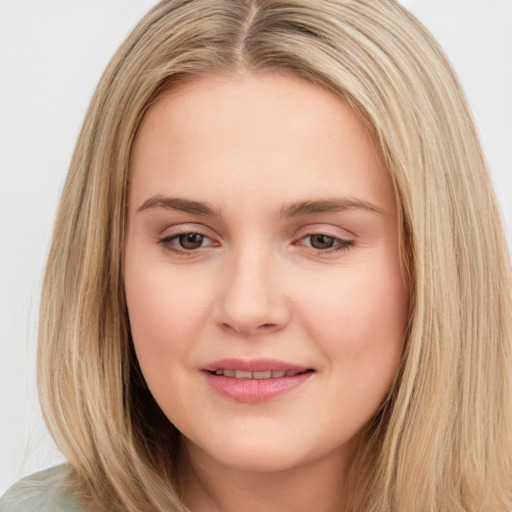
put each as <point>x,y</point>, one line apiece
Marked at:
<point>249,390</point>
<point>254,365</point>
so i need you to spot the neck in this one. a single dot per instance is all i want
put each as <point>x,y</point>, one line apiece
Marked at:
<point>210,486</point>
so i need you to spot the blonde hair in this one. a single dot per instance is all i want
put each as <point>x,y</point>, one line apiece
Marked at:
<point>442,440</point>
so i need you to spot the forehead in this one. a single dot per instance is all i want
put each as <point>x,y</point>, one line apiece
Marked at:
<point>245,136</point>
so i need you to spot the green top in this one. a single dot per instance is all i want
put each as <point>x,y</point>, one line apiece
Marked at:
<point>45,491</point>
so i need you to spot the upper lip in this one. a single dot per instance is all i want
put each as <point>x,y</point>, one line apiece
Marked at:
<point>253,365</point>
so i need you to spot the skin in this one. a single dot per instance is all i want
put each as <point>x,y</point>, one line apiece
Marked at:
<point>260,285</point>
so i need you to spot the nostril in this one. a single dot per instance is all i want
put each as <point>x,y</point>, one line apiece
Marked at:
<point>262,327</point>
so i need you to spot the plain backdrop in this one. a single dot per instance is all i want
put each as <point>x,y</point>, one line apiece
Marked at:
<point>52,53</point>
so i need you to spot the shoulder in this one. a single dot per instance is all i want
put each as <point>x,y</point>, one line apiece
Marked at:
<point>45,491</point>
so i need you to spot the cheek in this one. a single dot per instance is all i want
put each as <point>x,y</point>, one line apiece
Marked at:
<point>165,311</point>
<point>357,306</point>
<point>359,323</point>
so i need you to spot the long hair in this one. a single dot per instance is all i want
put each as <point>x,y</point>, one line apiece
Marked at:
<point>442,439</point>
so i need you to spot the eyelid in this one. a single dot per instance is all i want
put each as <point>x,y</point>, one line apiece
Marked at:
<point>325,229</point>
<point>186,227</point>
<point>343,241</point>
<point>166,238</point>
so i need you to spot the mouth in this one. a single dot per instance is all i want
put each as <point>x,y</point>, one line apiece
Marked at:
<point>256,380</point>
<point>267,374</point>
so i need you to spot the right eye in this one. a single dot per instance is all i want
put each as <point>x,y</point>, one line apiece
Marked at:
<point>184,243</point>
<point>190,241</point>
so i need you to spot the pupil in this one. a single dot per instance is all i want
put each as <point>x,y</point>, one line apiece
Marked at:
<point>322,241</point>
<point>191,240</point>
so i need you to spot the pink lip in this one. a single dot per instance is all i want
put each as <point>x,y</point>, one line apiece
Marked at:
<point>253,365</point>
<point>254,390</point>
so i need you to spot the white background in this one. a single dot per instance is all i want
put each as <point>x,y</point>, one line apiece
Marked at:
<point>52,53</point>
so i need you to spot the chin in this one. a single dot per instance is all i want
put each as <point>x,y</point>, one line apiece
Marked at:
<point>260,453</point>
<point>263,461</point>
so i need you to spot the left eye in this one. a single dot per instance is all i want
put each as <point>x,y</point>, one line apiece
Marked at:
<point>322,242</point>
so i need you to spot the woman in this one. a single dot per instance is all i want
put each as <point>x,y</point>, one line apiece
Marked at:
<point>278,278</point>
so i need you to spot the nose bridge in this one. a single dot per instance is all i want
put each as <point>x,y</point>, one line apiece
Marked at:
<point>252,299</point>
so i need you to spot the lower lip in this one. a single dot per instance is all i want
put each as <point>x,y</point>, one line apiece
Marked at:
<point>254,390</point>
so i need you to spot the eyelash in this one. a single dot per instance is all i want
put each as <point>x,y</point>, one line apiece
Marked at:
<point>341,244</point>
<point>167,243</point>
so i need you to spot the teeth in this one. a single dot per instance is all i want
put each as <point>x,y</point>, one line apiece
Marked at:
<point>268,374</point>
<point>262,375</point>
<point>240,374</point>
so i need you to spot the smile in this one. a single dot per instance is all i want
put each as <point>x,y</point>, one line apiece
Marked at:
<point>254,381</point>
<point>269,374</point>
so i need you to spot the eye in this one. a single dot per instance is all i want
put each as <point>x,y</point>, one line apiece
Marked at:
<point>321,241</point>
<point>190,241</point>
<point>184,243</point>
<point>326,243</point>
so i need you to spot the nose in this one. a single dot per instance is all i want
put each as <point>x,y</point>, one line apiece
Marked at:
<point>253,299</point>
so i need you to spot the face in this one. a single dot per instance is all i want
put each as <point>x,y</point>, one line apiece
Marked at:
<point>263,278</point>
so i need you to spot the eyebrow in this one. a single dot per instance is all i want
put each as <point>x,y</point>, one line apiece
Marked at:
<point>339,204</point>
<point>179,204</point>
<point>297,209</point>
